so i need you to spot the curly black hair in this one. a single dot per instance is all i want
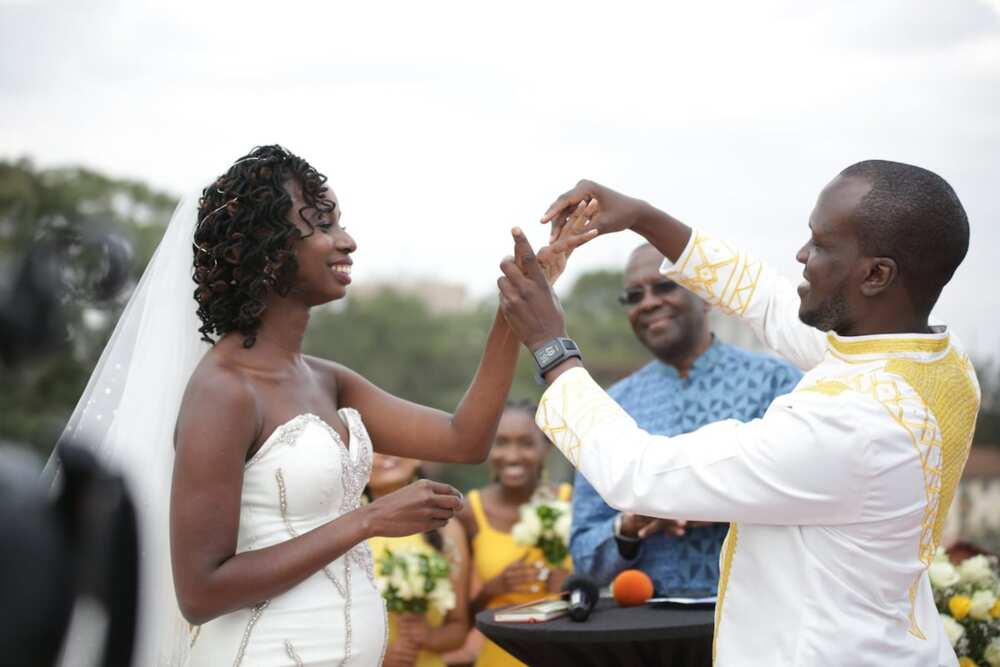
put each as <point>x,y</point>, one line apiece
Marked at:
<point>244,237</point>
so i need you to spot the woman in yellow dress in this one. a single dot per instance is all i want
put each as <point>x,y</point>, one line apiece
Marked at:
<point>510,573</point>
<point>418,640</point>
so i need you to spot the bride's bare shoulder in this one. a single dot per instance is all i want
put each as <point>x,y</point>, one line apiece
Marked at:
<point>219,390</point>
<point>331,374</point>
<point>221,372</point>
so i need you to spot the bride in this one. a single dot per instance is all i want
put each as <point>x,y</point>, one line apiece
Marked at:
<point>269,448</point>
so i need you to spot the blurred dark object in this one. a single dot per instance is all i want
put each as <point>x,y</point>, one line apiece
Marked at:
<point>31,322</point>
<point>96,233</point>
<point>68,566</point>
<point>93,263</point>
<point>582,593</point>
<point>92,267</point>
<point>619,636</point>
<point>963,550</point>
<point>35,573</point>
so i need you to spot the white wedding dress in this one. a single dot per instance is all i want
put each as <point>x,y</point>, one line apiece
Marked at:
<point>302,477</point>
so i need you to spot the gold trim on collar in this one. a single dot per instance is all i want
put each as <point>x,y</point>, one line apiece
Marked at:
<point>888,345</point>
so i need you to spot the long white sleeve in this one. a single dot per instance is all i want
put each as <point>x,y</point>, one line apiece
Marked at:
<point>801,464</point>
<point>739,284</point>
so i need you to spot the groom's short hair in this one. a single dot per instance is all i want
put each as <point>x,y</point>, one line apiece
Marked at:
<point>913,216</point>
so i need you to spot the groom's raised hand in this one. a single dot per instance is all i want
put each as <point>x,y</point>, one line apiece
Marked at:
<point>526,298</point>
<point>608,211</point>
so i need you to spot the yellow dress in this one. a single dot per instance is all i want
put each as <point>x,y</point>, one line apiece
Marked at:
<point>435,618</point>
<point>492,551</point>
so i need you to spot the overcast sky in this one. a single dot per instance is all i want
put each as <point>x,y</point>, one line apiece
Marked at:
<point>441,125</point>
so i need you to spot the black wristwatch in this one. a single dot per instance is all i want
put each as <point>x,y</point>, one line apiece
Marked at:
<point>551,353</point>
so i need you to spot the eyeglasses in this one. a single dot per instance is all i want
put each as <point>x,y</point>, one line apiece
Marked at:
<point>633,296</point>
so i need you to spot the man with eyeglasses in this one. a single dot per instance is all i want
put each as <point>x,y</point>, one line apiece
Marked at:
<point>693,379</point>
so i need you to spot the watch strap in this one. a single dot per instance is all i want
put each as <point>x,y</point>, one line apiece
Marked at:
<point>616,530</point>
<point>553,352</point>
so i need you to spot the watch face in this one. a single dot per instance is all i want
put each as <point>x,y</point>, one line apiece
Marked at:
<point>547,354</point>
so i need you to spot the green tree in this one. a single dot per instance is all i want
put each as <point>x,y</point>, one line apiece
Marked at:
<point>392,338</point>
<point>395,341</point>
<point>598,323</point>
<point>73,206</point>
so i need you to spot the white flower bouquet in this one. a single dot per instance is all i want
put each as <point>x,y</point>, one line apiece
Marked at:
<point>413,581</point>
<point>968,599</point>
<point>545,524</point>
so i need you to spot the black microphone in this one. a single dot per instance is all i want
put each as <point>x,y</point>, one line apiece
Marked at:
<point>582,593</point>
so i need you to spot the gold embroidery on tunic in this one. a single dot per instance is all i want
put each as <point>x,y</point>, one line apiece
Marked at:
<point>728,551</point>
<point>888,345</point>
<point>703,268</point>
<point>591,407</point>
<point>827,387</point>
<point>951,404</point>
<point>940,417</point>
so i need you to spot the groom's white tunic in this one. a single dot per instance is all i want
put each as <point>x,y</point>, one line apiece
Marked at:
<point>837,496</point>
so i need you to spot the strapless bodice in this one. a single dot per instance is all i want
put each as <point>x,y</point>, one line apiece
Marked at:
<point>302,477</point>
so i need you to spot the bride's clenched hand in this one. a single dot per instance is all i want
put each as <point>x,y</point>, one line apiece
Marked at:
<point>416,508</point>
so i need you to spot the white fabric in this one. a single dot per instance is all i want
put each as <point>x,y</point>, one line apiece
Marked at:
<point>301,478</point>
<point>827,491</point>
<point>127,416</point>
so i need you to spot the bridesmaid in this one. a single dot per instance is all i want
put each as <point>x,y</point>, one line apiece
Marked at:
<point>510,573</point>
<point>417,640</point>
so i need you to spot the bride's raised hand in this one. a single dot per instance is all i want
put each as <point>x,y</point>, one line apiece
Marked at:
<point>569,236</point>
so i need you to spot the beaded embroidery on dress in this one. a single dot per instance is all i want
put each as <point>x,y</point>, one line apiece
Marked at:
<point>302,477</point>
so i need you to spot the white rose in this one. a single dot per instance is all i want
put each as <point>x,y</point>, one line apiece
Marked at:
<point>527,530</point>
<point>982,602</point>
<point>975,570</point>
<point>953,629</point>
<point>399,580</point>
<point>416,580</point>
<point>562,526</point>
<point>943,574</point>
<point>992,653</point>
<point>443,597</point>
<point>940,555</point>
<point>523,535</point>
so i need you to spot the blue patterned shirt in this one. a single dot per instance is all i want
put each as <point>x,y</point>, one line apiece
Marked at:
<point>725,382</point>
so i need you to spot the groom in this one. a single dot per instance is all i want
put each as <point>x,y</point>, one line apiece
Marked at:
<point>838,495</point>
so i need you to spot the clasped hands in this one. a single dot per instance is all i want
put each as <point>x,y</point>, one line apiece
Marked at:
<point>637,526</point>
<point>578,216</point>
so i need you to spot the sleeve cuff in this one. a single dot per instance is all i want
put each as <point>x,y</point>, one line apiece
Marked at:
<point>669,269</point>
<point>575,408</point>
